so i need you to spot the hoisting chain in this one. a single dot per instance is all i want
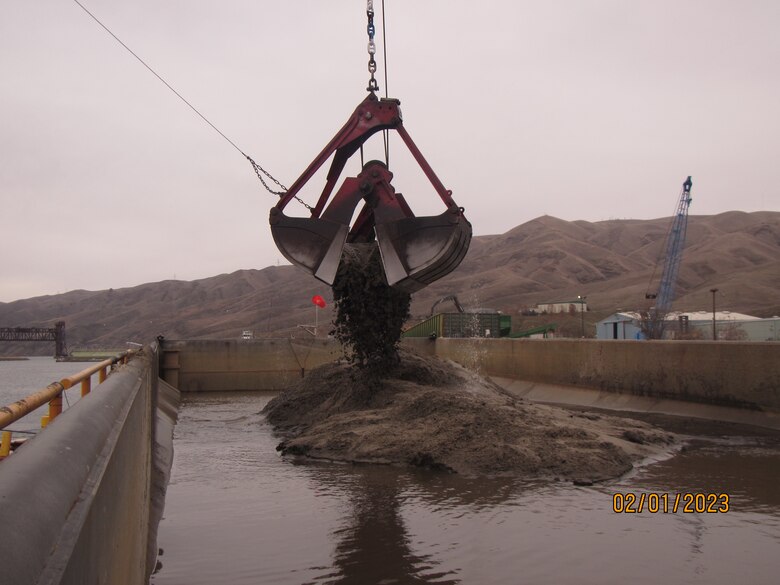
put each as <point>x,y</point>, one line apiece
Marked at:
<point>260,171</point>
<point>372,82</point>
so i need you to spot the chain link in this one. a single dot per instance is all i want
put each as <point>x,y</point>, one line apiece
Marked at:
<point>373,85</point>
<point>260,171</point>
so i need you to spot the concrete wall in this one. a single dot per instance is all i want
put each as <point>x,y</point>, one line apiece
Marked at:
<point>242,364</point>
<point>75,501</point>
<point>737,374</point>
<point>745,375</point>
<point>730,381</point>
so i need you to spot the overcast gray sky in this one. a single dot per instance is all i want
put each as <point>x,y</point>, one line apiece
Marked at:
<point>578,109</point>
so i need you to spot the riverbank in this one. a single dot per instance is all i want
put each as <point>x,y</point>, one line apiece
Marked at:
<point>435,414</point>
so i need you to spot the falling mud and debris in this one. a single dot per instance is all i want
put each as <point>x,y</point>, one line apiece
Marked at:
<point>369,314</point>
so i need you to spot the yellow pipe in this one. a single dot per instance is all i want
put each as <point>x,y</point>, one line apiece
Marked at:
<point>71,381</point>
<point>55,407</point>
<point>5,444</point>
<point>20,408</point>
<point>86,386</point>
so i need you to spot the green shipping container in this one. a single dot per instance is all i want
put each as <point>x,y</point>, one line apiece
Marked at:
<point>458,325</point>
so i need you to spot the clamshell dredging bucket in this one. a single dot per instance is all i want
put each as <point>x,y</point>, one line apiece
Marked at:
<point>417,251</point>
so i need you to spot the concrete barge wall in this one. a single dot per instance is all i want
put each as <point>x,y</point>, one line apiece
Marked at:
<point>80,502</point>
<point>735,374</point>
<point>209,365</point>
<point>745,375</point>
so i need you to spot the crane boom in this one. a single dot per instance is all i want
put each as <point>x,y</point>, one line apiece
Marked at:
<point>654,318</point>
<point>674,248</point>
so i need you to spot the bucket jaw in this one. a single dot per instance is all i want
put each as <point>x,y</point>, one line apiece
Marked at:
<point>415,251</point>
<point>313,244</point>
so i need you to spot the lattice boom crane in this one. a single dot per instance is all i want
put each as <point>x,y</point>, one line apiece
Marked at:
<point>675,243</point>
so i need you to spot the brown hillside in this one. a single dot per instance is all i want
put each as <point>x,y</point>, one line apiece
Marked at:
<point>546,259</point>
<point>611,262</point>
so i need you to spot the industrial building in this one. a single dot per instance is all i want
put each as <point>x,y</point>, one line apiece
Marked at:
<point>696,324</point>
<point>575,306</point>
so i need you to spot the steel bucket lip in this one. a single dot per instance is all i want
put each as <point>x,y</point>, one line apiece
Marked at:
<point>297,240</point>
<point>448,252</point>
<point>325,241</point>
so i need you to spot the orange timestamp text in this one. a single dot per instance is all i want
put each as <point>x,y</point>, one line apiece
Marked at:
<point>665,503</point>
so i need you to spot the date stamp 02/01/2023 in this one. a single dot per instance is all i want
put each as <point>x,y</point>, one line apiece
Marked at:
<point>670,503</point>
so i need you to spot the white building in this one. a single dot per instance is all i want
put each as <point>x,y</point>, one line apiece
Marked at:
<point>622,325</point>
<point>575,306</point>
<point>728,326</point>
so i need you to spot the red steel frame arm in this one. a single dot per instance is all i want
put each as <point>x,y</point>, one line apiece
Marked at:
<point>371,116</point>
<point>444,193</point>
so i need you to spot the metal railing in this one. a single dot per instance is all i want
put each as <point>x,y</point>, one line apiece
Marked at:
<point>52,395</point>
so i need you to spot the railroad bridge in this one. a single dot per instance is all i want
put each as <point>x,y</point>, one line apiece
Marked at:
<point>55,334</point>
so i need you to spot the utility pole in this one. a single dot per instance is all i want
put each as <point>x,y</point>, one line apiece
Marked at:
<point>714,322</point>
<point>582,313</point>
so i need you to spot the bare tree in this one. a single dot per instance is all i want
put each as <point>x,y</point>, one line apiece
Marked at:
<point>732,332</point>
<point>652,323</point>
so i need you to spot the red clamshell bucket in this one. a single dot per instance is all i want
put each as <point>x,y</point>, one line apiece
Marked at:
<point>415,251</point>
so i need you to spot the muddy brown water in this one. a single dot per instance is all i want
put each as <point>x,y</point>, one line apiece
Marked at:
<point>236,513</point>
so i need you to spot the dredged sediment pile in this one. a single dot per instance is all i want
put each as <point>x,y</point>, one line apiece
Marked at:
<point>432,413</point>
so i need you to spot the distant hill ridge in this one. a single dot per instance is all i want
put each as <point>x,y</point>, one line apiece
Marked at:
<point>545,259</point>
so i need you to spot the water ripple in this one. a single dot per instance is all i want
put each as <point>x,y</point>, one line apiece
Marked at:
<point>268,520</point>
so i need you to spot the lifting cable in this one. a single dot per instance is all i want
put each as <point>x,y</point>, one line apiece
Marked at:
<point>385,134</point>
<point>260,171</point>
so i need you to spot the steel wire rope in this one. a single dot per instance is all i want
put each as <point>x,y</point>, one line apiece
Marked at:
<point>258,169</point>
<point>385,133</point>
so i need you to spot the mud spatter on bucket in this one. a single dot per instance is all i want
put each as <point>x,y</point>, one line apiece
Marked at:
<point>433,413</point>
